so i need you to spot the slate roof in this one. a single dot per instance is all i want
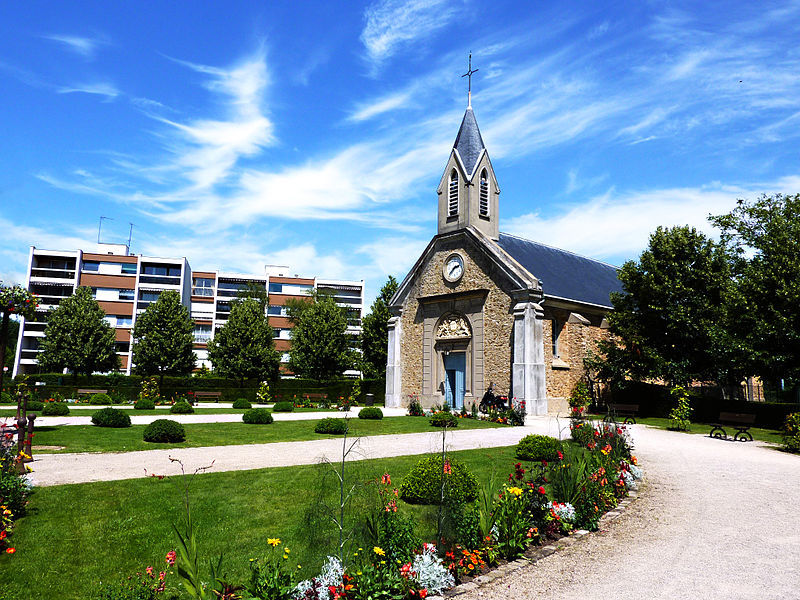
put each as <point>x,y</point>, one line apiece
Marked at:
<point>469,142</point>
<point>564,274</point>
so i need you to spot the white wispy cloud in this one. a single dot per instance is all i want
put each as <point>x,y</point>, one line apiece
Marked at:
<point>85,46</point>
<point>101,89</point>
<point>377,107</point>
<point>392,24</point>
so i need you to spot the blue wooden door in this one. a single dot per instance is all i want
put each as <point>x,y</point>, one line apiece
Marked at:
<point>455,366</point>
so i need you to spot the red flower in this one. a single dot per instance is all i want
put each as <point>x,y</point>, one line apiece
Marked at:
<point>542,490</point>
<point>560,455</point>
<point>386,480</point>
<point>10,550</point>
<point>171,556</point>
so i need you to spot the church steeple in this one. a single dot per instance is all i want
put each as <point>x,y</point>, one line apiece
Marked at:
<point>468,191</point>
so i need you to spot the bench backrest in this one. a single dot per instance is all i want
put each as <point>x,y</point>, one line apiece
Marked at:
<point>743,418</point>
<point>207,394</point>
<point>92,391</point>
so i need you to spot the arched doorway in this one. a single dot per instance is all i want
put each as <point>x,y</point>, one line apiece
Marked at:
<point>453,344</point>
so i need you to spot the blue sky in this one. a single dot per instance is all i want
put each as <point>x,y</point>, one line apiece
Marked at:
<point>314,134</point>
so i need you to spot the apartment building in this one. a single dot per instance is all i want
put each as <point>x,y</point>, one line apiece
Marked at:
<point>125,284</point>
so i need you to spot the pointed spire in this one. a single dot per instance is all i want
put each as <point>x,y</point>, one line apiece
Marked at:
<point>469,143</point>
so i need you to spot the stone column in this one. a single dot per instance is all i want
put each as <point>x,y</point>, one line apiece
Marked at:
<point>527,374</point>
<point>394,371</point>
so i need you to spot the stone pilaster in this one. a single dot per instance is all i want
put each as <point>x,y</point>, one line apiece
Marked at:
<point>527,372</point>
<point>394,371</point>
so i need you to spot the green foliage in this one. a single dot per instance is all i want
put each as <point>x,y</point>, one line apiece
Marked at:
<point>35,405</point>
<point>11,344</point>
<point>77,337</point>
<point>55,409</point>
<point>443,418</point>
<point>567,476</point>
<point>580,396</point>
<point>144,403</point>
<point>271,577</point>
<point>100,399</point>
<point>763,234</point>
<point>243,347</point>
<point>681,413</point>
<point>164,430</point>
<point>242,403</point>
<point>263,396</point>
<point>108,417</point>
<point>320,345</point>
<point>331,426</point>
<point>5,398</point>
<point>370,412</point>
<point>512,521</point>
<point>181,408</point>
<point>415,408</point>
<point>674,320</point>
<point>257,416</point>
<point>150,389</point>
<point>791,432</point>
<point>283,406</point>
<point>162,338</point>
<point>423,484</point>
<point>374,332</point>
<point>538,447</point>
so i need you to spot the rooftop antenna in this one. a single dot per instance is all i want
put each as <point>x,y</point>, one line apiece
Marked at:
<point>100,226</point>
<point>468,74</point>
<point>130,236</point>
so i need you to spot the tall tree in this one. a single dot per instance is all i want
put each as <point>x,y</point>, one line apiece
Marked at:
<point>163,338</point>
<point>765,235</point>
<point>672,321</point>
<point>375,332</point>
<point>14,300</point>
<point>243,348</point>
<point>78,337</point>
<point>255,291</point>
<point>320,345</point>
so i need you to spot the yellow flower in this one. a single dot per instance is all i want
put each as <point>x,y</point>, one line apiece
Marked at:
<point>285,556</point>
<point>286,550</point>
<point>273,541</point>
<point>379,551</point>
<point>383,562</point>
<point>515,490</point>
<point>299,567</point>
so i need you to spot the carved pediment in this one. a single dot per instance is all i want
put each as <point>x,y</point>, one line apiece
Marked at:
<point>453,326</point>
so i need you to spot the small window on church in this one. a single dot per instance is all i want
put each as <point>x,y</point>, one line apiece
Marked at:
<point>558,327</point>
<point>452,198</point>
<point>483,205</point>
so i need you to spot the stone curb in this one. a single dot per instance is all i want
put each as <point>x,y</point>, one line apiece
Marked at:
<point>541,551</point>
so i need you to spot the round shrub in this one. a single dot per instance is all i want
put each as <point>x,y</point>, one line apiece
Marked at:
<point>331,425</point>
<point>538,447</point>
<point>283,407</point>
<point>55,409</point>
<point>5,398</point>
<point>100,399</point>
<point>257,416</point>
<point>164,430</point>
<point>242,403</point>
<point>35,405</point>
<point>423,484</point>
<point>370,412</point>
<point>108,417</point>
<point>182,408</point>
<point>444,418</point>
<point>144,404</point>
<point>791,433</point>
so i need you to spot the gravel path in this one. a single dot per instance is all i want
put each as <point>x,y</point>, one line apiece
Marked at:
<point>56,469</point>
<point>714,519</point>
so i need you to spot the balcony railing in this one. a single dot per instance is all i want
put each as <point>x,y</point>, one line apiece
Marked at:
<point>202,291</point>
<point>160,279</point>
<point>53,273</point>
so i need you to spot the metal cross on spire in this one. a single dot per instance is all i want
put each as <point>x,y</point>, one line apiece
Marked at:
<point>469,80</point>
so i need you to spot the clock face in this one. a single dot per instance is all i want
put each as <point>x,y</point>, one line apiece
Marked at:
<point>454,268</point>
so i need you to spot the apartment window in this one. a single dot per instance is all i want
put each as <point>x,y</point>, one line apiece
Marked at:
<point>558,328</point>
<point>202,286</point>
<point>161,270</point>
<point>123,321</point>
<point>285,357</point>
<point>483,204</point>
<point>126,294</point>
<point>275,288</point>
<point>148,296</point>
<point>122,346</point>
<point>91,265</point>
<point>277,311</point>
<point>452,199</point>
<point>202,333</point>
<point>129,268</point>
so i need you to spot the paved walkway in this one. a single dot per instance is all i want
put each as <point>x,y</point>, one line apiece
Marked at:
<point>56,469</point>
<point>714,519</point>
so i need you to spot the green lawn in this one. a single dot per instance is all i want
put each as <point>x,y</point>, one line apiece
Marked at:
<point>764,435</point>
<point>88,438</point>
<point>78,535</point>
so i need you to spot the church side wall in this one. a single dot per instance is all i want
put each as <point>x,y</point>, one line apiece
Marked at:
<point>492,327</point>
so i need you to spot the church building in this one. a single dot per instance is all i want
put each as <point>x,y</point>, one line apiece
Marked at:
<point>481,307</point>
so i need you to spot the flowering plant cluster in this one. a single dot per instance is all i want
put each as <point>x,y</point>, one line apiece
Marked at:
<point>414,406</point>
<point>14,488</point>
<point>150,389</point>
<point>18,301</point>
<point>262,395</point>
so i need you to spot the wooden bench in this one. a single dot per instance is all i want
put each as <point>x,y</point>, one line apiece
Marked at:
<point>628,411</point>
<point>739,421</point>
<point>202,395</point>
<point>89,392</point>
<point>315,397</point>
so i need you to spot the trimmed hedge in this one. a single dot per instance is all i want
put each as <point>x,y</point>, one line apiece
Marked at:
<point>257,416</point>
<point>100,400</point>
<point>181,408</point>
<point>443,418</point>
<point>538,447</point>
<point>108,417</point>
<point>242,403</point>
<point>5,398</point>
<point>283,407</point>
<point>55,409</point>
<point>35,405</point>
<point>423,484</point>
<point>331,426</point>
<point>144,404</point>
<point>370,412</point>
<point>163,431</point>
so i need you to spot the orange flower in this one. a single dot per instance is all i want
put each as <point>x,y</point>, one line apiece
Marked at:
<point>10,550</point>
